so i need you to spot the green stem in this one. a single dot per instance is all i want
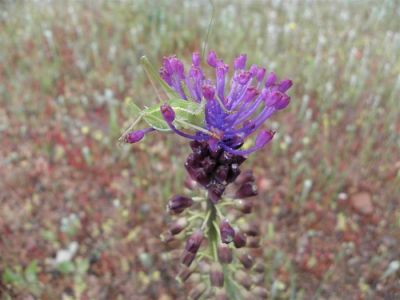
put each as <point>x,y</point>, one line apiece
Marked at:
<point>213,238</point>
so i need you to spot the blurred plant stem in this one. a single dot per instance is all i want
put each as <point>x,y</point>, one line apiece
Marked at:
<point>213,238</point>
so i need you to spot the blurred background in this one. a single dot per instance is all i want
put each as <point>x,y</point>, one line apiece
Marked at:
<point>81,216</point>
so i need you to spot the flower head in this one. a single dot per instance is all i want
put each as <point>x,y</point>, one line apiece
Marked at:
<point>233,109</point>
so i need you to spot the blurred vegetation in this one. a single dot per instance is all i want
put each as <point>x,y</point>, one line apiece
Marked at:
<point>66,69</point>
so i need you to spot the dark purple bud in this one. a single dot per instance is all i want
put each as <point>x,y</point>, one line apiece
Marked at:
<point>208,164</point>
<point>216,275</point>
<point>212,59</point>
<point>245,206</point>
<point>240,62</point>
<point>196,59</point>
<point>264,137</point>
<point>284,85</point>
<point>167,113</point>
<point>208,92</point>
<point>226,158</point>
<point>247,189</point>
<point>234,172</point>
<point>227,232</point>
<point>224,254</point>
<point>215,191</point>
<point>221,173</point>
<point>271,79</point>
<point>178,204</point>
<point>239,240</point>
<point>260,292</point>
<point>187,258</point>
<point>246,176</point>
<point>134,136</point>
<point>246,260</point>
<point>195,145</point>
<point>244,279</point>
<point>177,226</point>
<point>194,241</point>
<point>197,291</point>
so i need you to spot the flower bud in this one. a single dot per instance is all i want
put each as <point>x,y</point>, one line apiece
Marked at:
<point>284,85</point>
<point>224,254</point>
<point>253,242</point>
<point>239,240</point>
<point>240,62</point>
<point>264,137</point>
<point>179,203</point>
<point>259,267</point>
<point>212,59</point>
<point>197,291</point>
<point>221,173</point>
<point>216,275</point>
<point>196,59</point>
<point>215,191</point>
<point>187,258</point>
<point>244,279</point>
<point>184,274</point>
<point>134,136</point>
<point>194,241</point>
<point>227,232</point>
<point>245,206</point>
<point>247,189</point>
<point>251,229</point>
<point>246,260</point>
<point>177,226</point>
<point>234,172</point>
<point>271,79</point>
<point>208,92</point>
<point>246,176</point>
<point>167,113</point>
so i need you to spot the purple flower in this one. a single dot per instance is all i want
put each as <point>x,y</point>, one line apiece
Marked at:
<point>234,108</point>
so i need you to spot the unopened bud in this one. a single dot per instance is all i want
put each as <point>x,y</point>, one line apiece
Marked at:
<point>216,275</point>
<point>246,260</point>
<point>184,274</point>
<point>251,229</point>
<point>178,204</point>
<point>177,226</point>
<point>187,258</point>
<point>245,206</point>
<point>244,279</point>
<point>253,242</point>
<point>227,232</point>
<point>194,241</point>
<point>247,189</point>
<point>239,240</point>
<point>224,254</point>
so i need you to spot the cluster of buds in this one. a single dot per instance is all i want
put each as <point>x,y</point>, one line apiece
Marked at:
<point>219,222</point>
<point>213,170</point>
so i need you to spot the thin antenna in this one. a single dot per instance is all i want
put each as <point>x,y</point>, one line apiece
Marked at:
<point>209,28</point>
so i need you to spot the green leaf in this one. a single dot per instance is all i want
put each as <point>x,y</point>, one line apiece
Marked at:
<point>153,74</point>
<point>155,120</point>
<point>132,110</point>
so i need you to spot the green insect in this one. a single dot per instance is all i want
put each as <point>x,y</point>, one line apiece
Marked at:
<point>188,113</point>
